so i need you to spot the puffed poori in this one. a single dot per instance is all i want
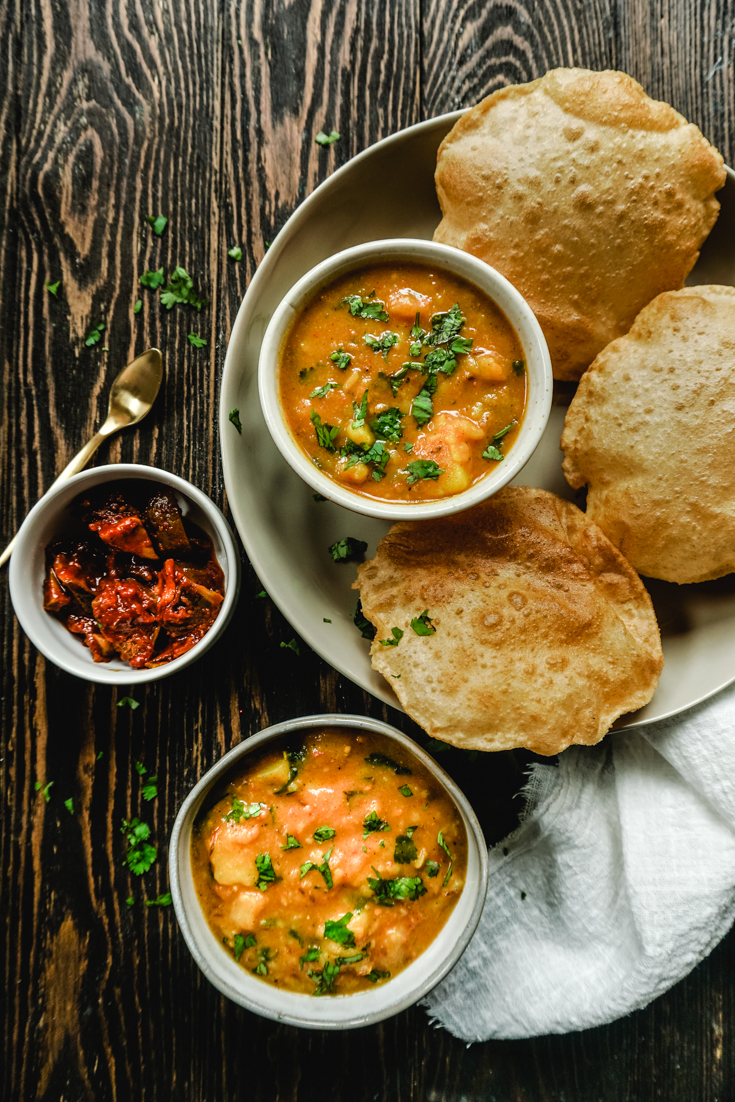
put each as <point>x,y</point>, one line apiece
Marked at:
<point>651,432</point>
<point>586,194</point>
<point>514,623</point>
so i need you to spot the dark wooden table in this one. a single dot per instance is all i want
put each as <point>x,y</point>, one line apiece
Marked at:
<point>206,111</point>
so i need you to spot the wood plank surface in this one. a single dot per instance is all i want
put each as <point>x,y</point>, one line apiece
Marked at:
<point>206,112</point>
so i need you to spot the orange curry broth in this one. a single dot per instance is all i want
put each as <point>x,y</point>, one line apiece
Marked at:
<point>485,392</point>
<point>275,921</point>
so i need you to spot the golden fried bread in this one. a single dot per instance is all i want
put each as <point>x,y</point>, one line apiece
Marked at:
<point>651,431</point>
<point>544,633</point>
<point>587,195</point>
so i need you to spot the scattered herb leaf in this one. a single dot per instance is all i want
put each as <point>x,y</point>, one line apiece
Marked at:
<point>518,366</point>
<point>234,416</point>
<point>367,630</point>
<point>401,887</point>
<point>152,279</point>
<point>388,763</point>
<point>493,453</point>
<point>397,636</point>
<point>235,252</point>
<point>196,341</point>
<point>347,549</point>
<point>45,790</point>
<point>423,468</point>
<point>383,343</point>
<point>360,308</point>
<point>95,334</point>
<point>325,979</point>
<point>373,823</point>
<point>266,872</point>
<point>141,854</point>
<point>149,791</point>
<point>405,851</point>
<point>241,812</point>
<point>53,288</point>
<point>376,975</point>
<point>323,834</point>
<point>341,358</point>
<point>445,847</point>
<point>160,900</point>
<point>405,790</point>
<point>138,307</point>
<point>323,391</point>
<point>432,868</point>
<point>128,700</point>
<point>158,224</point>
<point>291,842</point>
<point>180,289</point>
<point>312,953</point>
<point>387,424</point>
<point>422,624</point>
<point>69,805</point>
<point>325,434</point>
<point>338,931</point>
<point>292,645</point>
<point>327,139</point>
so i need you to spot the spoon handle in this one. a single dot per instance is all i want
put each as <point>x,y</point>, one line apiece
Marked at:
<point>77,464</point>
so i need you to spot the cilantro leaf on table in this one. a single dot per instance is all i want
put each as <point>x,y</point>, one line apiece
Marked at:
<point>234,417</point>
<point>149,790</point>
<point>180,290</point>
<point>141,853</point>
<point>140,769</point>
<point>53,288</point>
<point>292,645</point>
<point>152,279</point>
<point>235,253</point>
<point>337,930</point>
<point>422,624</point>
<point>363,308</point>
<point>196,341</point>
<point>158,224</point>
<point>388,763</point>
<point>397,636</point>
<point>95,334</point>
<point>327,139</point>
<point>138,306</point>
<point>163,900</point>
<point>45,790</point>
<point>347,549</point>
<point>129,702</point>
<point>266,872</point>
<point>69,805</point>
<point>325,434</point>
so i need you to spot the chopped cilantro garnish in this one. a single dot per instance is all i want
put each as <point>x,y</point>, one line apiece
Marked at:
<point>325,434</point>
<point>338,931</point>
<point>264,956</point>
<point>292,645</point>
<point>297,935</point>
<point>235,252</point>
<point>180,289</point>
<point>130,901</point>
<point>294,759</point>
<point>445,326</point>
<point>239,941</point>
<point>423,468</point>
<point>445,847</point>
<point>323,834</point>
<point>359,308</point>
<point>153,279</point>
<point>149,791</point>
<point>53,288</point>
<point>163,900</point>
<point>266,872</point>
<point>401,887</point>
<point>141,854</point>
<point>250,941</point>
<point>327,139</point>
<point>319,497</point>
<point>367,630</point>
<point>347,549</point>
<point>196,341</point>
<point>242,812</point>
<point>405,790</point>
<point>261,594</point>
<point>373,823</point>
<point>422,624</point>
<point>377,455</point>
<point>354,959</point>
<point>405,851</point>
<point>408,448</point>
<point>397,636</point>
<point>398,377</point>
<point>360,411</point>
<point>234,416</point>
<point>324,868</point>
<point>432,868</point>
<point>312,953</point>
<point>95,334</point>
<point>100,755</point>
<point>291,842</point>
<point>69,805</point>
<point>140,769</point>
<point>376,975</point>
<point>493,453</point>
<point>323,391</point>
<point>383,343</point>
<point>518,366</point>
<point>388,763</point>
<point>138,306</point>
<point>325,620</point>
<point>422,409</point>
<point>325,979</point>
<point>388,424</point>
<point>501,434</point>
<point>157,223</point>
<point>341,358</point>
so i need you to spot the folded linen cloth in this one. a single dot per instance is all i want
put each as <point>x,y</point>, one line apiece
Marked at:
<point>620,879</point>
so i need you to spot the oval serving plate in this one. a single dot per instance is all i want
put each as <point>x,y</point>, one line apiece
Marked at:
<point>388,191</point>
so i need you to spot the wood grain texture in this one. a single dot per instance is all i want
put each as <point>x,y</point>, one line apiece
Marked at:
<point>206,112</point>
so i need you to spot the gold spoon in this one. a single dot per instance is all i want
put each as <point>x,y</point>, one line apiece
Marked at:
<point>133,393</point>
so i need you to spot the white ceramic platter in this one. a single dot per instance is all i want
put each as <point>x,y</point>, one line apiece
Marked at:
<point>388,191</point>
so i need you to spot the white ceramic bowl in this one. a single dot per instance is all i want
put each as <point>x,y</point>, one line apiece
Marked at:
<point>338,1011</point>
<point>27,572</point>
<point>502,293</point>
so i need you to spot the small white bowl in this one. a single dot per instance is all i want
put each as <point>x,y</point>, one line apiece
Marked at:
<point>28,570</point>
<point>481,275</point>
<point>337,1011</point>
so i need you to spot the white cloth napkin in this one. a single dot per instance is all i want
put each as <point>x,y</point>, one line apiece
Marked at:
<point>618,882</point>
